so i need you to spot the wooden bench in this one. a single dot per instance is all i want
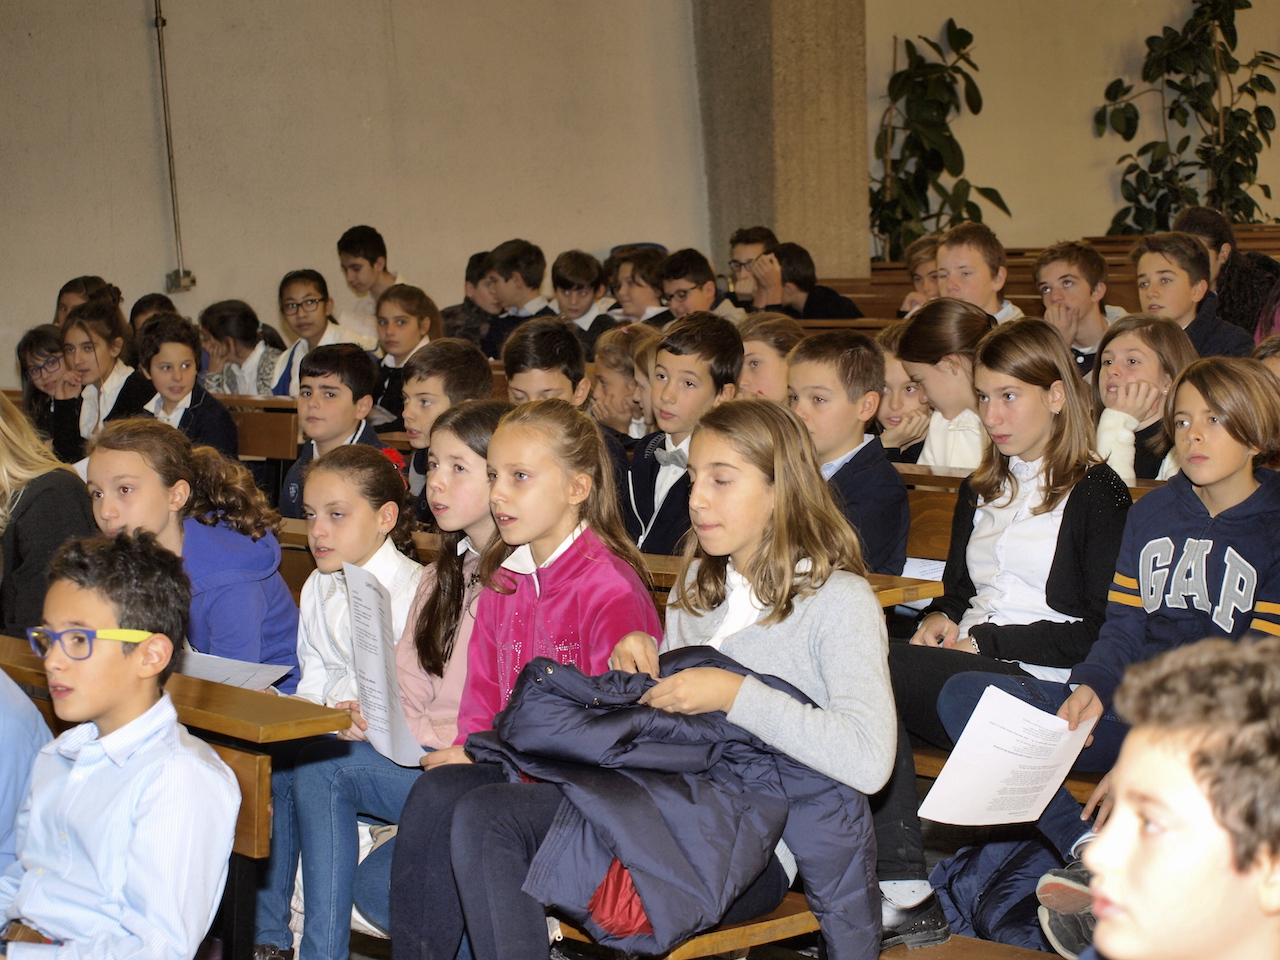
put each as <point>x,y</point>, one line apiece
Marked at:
<point>234,720</point>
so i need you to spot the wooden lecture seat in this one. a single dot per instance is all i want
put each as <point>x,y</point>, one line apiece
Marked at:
<point>267,433</point>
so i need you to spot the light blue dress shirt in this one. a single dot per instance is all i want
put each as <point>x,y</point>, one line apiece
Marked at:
<point>122,843</point>
<point>22,734</point>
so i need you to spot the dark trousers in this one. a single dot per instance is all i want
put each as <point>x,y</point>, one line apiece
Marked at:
<point>918,675</point>
<point>496,829</point>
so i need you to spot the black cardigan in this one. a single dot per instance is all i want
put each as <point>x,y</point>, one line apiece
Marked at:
<point>68,445</point>
<point>50,510</point>
<point>1084,562</point>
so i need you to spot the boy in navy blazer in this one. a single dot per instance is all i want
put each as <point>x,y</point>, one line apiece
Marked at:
<point>169,355</point>
<point>697,367</point>
<point>835,381</point>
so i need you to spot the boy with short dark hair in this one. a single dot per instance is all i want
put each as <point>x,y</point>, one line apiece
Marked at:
<point>689,286</point>
<point>335,395</point>
<point>578,280</point>
<point>362,253</point>
<point>835,381</point>
<point>1173,282</point>
<point>697,367</point>
<point>787,282</point>
<point>469,320</point>
<point>971,267</point>
<point>443,373</point>
<point>543,360</point>
<point>746,244</point>
<point>1071,278</point>
<point>169,354</point>
<point>514,271</point>
<point>124,839</point>
<point>636,278</point>
<point>1187,866</point>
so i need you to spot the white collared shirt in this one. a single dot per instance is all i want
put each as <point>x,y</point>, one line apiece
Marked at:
<point>831,468</point>
<point>958,442</point>
<point>292,358</point>
<point>585,321</point>
<point>529,309</point>
<point>315,451</point>
<point>742,607</point>
<point>96,403</point>
<point>637,429</point>
<point>1010,554</point>
<point>156,406</point>
<point>243,377</point>
<point>521,559</point>
<point>1008,312</point>
<point>669,474</point>
<point>361,317</point>
<point>390,361</point>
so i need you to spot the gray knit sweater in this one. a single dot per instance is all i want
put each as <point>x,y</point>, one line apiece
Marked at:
<point>834,648</point>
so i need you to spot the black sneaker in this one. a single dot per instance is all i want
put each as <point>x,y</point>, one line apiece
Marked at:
<point>924,925</point>
<point>1069,933</point>
<point>1066,890</point>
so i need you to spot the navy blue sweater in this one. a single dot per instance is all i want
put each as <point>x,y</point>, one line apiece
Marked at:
<point>207,421</point>
<point>291,490</point>
<point>874,498</point>
<point>657,531</point>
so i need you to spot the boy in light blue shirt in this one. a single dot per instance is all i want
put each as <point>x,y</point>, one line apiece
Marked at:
<point>122,843</point>
<point>22,734</point>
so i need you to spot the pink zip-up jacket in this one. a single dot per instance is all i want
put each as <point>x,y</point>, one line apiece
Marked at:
<point>575,611</point>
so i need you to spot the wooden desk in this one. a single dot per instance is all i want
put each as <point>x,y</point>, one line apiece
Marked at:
<point>254,402</point>
<point>398,440</point>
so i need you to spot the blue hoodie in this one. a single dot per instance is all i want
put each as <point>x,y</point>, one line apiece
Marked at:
<point>1183,575</point>
<point>240,605</point>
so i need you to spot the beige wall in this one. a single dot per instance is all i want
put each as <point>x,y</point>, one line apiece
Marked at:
<point>450,126</point>
<point>1043,68</point>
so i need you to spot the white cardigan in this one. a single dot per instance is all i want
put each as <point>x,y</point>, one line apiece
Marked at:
<point>325,654</point>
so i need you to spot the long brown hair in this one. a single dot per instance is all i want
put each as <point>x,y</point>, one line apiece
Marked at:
<point>472,422</point>
<point>221,489</point>
<point>943,328</point>
<point>1244,395</point>
<point>575,442</point>
<point>806,522</point>
<point>1031,351</point>
<point>377,480</point>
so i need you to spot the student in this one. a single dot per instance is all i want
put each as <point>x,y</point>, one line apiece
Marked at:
<point>615,403</point>
<point>442,373</point>
<point>786,281</point>
<point>543,360</point>
<point>835,382</point>
<point>1186,866</point>
<point>1268,351</point>
<point>1139,358</point>
<point>355,511</point>
<point>767,339</point>
<point>644,352</point>
<point>1033,547</point>
<point>922,267</point>
<point>1071,279</point>
<point>146,307</point>
<point>1242,281</point>
<point>124,840</point>
<point>562,582</point>
<point>514,271</point>
<point>82,290</point>
<point>936,350</point>
<point>242,350</point>
<point>971,267</point>
<point>339,780</point>
<point>1197,560</point>
<point>1173,282</point>
<point>637,286</point>
<point>903,415</point>
<point>22,733</point>
<point>696,367</point>
<point>746,245</point>
<point>43,504</point>
<point>405,315</point>
<point>335,397</point>
<point>94,339</point>
<point>39,355</point>
<point>169,356</point>
<point>362,254</point>
<point>469,320</point>
<point>689,286</point>
<point>798,610</point>
<point>578,279</point>
<point>307,310</point>
<point>145,475</point>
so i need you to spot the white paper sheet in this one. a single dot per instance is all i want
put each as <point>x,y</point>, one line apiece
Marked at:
<point>235,673</point>
<point>922,569</point>
<point>373,644</point>
<point>1010,760</point>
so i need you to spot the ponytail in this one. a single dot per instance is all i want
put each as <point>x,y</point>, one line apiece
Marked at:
<point>377,480</point>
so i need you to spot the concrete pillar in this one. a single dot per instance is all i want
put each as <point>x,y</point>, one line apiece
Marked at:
<point>783,93</point>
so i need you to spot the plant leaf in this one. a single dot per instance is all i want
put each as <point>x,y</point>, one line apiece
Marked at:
<point>1266,117</point>
<point>992,196</point>
<point>1115,90</point>
<point>1100,122</point>
<point>972,96</point>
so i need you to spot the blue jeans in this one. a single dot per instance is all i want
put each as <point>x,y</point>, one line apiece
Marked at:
<point>277,873</point>
<point>1060,822</point>
<point>336,781</point>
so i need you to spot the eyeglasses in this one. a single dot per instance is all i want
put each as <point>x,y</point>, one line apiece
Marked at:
<point>49,366</point>
<point>77,644</point>
<point>736,265</point>
<point>679,296</point>
<point>289,308</point>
